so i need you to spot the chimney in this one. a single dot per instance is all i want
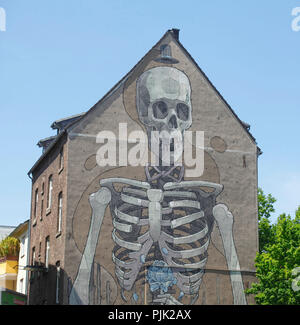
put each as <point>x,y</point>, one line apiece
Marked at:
<point>175,32</point>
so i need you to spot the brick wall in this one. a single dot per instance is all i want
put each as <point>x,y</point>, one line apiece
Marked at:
<point>42,285</point>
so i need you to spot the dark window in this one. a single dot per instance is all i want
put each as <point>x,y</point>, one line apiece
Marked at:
<point>36,201</point>
<point>57,282</point>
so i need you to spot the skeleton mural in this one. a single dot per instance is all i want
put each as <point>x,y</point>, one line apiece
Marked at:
<point>161,226</point>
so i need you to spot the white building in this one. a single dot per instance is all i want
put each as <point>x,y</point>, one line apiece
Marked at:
<point>22,233</point>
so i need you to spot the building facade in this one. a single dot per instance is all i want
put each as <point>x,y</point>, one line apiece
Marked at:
<point>118,221</point>
<point>8,263</point>
<point>8,272</point>
<point>22,233</point>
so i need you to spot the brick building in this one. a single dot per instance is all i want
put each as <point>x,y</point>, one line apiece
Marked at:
<point>105,234</point>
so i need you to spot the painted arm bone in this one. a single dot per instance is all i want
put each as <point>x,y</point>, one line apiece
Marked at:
<point>224,220</point>
<point>80,290</point>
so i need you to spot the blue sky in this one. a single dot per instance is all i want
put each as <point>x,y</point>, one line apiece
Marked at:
<point>58,58</point>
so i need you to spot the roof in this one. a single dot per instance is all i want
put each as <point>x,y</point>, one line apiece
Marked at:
<point>20,229</point>
<point>48,143</point>
<point>45,152</point>
<point>64,124</point>
<point>44,143</point>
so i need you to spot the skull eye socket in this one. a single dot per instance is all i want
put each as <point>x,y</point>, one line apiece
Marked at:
<point>160,110</point>
<point>182,111</point>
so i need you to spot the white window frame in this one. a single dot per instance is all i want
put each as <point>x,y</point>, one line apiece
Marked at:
<point>59,212</point>
<point>32,262</point>
<point>36,201</point>
<point>47,250</point>
<point>61,159</point>
<point>22,246</point>
<point>50,190</point>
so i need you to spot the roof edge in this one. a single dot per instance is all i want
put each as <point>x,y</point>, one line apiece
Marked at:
<point>117,85</point>
<point>72,124</point>
<point>44,154</point>
<point>216,90</point>
<point>175,36</point>
<point>19,228</point>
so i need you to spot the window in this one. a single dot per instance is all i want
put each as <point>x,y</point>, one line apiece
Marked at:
<point>39,259</point>
<point>49,195</point>
<point>40,249</point>
<point>22,246</point>
<point>59,212</point>
<point>42,200</point>
<point>42,208</point>
<point>36,200</point>
<point>32,262</point>
<point>47,251</point>
<point>57,282</point>
<point>61,159</point>
<point>21,286</point>
<point>33,256</point>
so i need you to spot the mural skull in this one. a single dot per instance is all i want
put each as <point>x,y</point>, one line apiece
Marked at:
<point>164,105</point>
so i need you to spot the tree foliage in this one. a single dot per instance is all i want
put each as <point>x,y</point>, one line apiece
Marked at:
<point>9,246</point>
<point>278,257</point>
<point>265,228</point>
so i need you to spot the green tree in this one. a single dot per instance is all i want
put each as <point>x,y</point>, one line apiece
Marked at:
<point>265,228</point>
<point>279,255</point>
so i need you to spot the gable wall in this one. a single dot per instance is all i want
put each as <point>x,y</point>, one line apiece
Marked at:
<point>235,168</point>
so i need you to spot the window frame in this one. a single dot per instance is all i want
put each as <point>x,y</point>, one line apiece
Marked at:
<point>47,251</point>
<point>61,159</point>
<point>36,202</point>
<point>49,192</point>
<point>57,286</point>
<point>32,263</point>
<point>59,212</point>
<point>22,246</point>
